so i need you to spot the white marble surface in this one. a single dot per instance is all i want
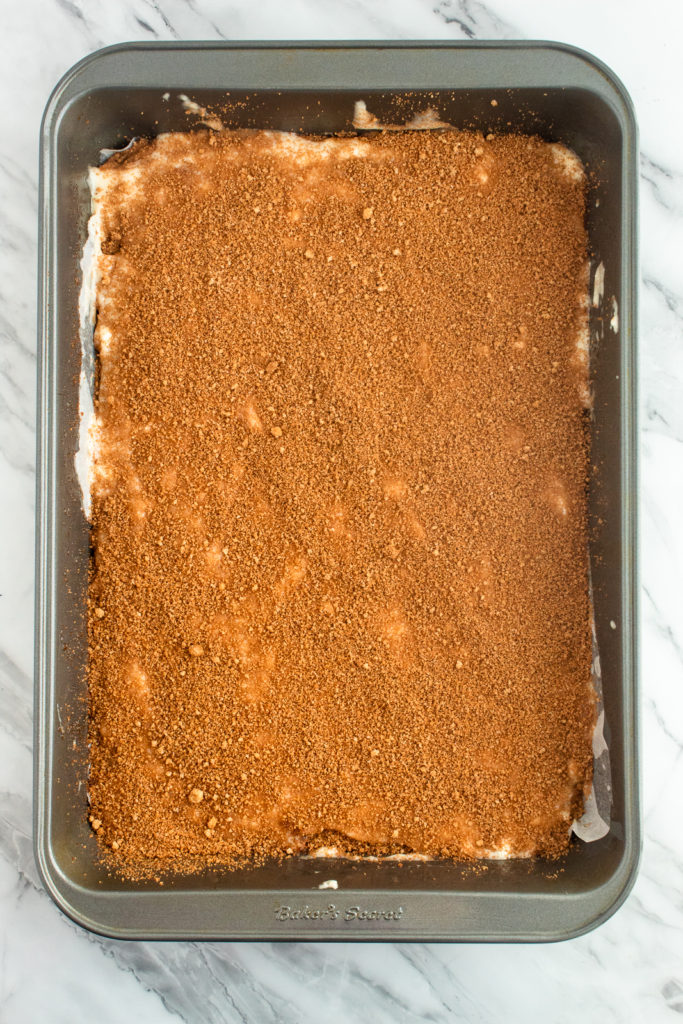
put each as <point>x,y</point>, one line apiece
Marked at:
<point>630,969</point>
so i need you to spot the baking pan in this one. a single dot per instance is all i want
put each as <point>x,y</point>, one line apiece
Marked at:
<point>112,96</point>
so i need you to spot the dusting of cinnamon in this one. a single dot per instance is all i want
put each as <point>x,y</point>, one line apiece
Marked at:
<point>339,591</point>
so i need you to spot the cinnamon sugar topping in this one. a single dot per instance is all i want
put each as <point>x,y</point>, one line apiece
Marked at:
<point>338,509</point>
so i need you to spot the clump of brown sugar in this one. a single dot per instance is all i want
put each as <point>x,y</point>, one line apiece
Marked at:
<point>339,591</point>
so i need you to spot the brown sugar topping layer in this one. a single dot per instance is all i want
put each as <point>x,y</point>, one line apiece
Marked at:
<point>339,591</point>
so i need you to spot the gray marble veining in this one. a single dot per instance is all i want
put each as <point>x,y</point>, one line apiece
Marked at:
<point>630,969</point>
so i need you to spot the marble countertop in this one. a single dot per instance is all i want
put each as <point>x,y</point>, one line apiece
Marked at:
<point>631,968</point>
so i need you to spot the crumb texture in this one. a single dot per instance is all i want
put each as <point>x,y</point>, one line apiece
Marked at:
<point>339,587</point>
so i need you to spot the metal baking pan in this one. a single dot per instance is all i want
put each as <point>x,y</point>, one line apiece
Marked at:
<point>553,90</point>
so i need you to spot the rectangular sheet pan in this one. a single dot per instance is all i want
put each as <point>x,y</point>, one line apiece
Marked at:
<point>112,96</point>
